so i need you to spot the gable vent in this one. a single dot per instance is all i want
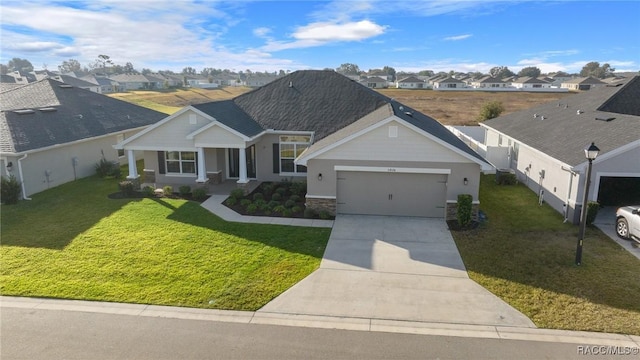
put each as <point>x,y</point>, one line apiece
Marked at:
<point>24,111</point>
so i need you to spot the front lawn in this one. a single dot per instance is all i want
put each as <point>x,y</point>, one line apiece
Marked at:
<point>525,255</point>
<point>73,242</point>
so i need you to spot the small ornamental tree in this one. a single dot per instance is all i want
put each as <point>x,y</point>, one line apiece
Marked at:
<point>10,190</point>
<point>491,110</point>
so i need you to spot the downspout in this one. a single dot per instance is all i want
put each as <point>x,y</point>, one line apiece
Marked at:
<point>24,191</point>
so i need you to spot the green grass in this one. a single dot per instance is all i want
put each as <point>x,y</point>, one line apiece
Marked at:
<point>525,255</point>
<point>73,242</point>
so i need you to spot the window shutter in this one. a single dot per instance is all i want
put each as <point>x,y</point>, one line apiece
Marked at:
<point>161,168</point>
<point>276,158</point>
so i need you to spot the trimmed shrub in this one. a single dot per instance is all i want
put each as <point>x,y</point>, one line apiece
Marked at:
<point>507,179</point>
<point>324,215</point>
<point>273,203</point>
<point>261,204</point>
<point>294,198</point>
<point>592,211</point>
<point>199,194</point>
<point>258,196</point>
<point>296,209</point>
<point>237,193</point>
<point>10,190</point>
<point>245,202</point>
<point>267,188</point>
<point>116,172</point>
<point>298,188</point>
<point>252,208</point>
<point>279,209</point>
<point>266,211</point>
<point>464,209</point>
<point>309,213</point>
<point>287,212</point>
<point>289,203</point>
<point>231,201</point>
<point>148,191</point>
<point>184,190</point>
<point>490,110</point>
<point>168,190</point>
<point>281,191</point>
<point>276,197</point>
<point>127,187</point>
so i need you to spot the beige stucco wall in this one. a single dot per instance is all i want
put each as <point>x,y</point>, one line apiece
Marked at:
<point>171,135</point>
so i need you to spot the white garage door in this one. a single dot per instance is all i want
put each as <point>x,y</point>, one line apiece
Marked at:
<point>400,194</point>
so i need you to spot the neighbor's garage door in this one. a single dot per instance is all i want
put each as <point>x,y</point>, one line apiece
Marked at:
<point>401,194</point>
<point>617,191</point>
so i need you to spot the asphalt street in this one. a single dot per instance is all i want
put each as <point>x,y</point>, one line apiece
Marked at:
<point>57,334</point>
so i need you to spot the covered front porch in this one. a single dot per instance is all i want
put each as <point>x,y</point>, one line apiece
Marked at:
<point>214,168</point>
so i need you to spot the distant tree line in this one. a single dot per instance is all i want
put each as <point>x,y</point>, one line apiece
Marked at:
<point>105,65</point>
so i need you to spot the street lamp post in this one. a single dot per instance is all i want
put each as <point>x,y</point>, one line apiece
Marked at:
<point>590,153</point>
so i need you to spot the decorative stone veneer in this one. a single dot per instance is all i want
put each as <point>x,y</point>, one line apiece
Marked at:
<point>452,211</point>
<point>149,175</point>
<point>328,205</point>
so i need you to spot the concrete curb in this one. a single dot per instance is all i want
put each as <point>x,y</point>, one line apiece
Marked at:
<point>326,322</point>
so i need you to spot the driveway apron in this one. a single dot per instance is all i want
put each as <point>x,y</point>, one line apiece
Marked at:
<point>394,268</point>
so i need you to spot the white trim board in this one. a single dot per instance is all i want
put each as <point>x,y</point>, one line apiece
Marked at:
<point>392,170</point>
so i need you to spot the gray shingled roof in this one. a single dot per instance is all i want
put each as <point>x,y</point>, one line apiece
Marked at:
<point>585,81</point>
<point>316,100</point>
<point>564,134</point>
<point>73,114</point>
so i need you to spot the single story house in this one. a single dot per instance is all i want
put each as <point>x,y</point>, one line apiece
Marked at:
<point>448,83</point>
<point>528,82</point>
<point>375,82</point>
<point>52,133</point>
<point>359,151</point>
<point>545,145</point>
<point>582,83</point>
<point>104,84</point>
<point>410,82</point>
<point>488,82</point>
<point>132,82</point>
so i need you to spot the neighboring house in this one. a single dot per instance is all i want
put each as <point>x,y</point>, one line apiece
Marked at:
<point>8,82</point>
<point>359,151</point>
<point>545,146</point>
<point>410,82</point>
<point>433,79</point>
<point>582,83</point>
<point>488,82</point>
<point>157,81</point>
<point>43,74</point>
<point>194,80</point>
<point>527,82</point>
<point>104,84</point>
<point>75,82</point>
<point>448,83</point>
<point>132,82</point>
<point>259,80</point>
<point>381,74</point>
<point>225,79</point>
<point>22,78</point>
<point>374,82</point>
<point>52,133</point>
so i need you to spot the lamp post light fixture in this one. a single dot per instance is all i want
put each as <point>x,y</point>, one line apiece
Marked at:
<point>590,153</point>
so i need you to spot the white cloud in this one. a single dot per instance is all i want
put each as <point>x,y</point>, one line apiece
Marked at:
<point>320,33</point>
<point>261,32</point>
<point>458,37</point>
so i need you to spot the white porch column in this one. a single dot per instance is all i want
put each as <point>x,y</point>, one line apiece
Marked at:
<point>243,166</point>
<point>133,171</point>
<point>202,172</point>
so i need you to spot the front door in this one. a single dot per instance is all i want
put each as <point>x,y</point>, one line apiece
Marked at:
<point>234,162</point>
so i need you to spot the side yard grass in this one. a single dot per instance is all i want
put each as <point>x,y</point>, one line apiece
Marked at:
<point>525,255</point>
<point>73,242</point>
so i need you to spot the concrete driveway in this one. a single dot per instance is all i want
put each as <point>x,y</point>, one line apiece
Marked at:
<point>394,268</point>
<point>606,222</point>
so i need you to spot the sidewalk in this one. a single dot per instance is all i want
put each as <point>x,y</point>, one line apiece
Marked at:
<point>327,322</point>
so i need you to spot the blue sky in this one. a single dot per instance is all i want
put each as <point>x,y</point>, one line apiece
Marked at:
<point>291,35</point>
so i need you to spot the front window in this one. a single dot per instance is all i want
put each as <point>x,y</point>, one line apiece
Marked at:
<point>180,162</point>
<point>291,146</point>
